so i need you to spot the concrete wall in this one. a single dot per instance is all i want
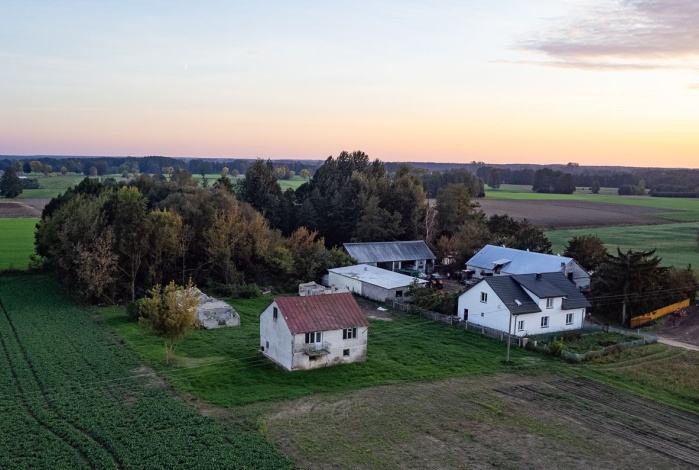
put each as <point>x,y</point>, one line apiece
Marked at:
<point>340,281</point>
<point>275,337</point>
<point>336,345</point>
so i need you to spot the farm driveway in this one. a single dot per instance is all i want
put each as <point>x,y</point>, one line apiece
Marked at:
<point>568,214</point>
<point>502,421</point>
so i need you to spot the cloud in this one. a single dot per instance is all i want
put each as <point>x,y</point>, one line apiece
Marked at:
<point>693,86</point>
<point>622,32</point>
<point>590,65</point>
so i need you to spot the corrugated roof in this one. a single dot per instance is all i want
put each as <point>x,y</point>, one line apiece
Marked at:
<point>520,261</point>
<point>377,252</point>
<point>512,295</point>
<point>321,312</point>
<point>376,276</point>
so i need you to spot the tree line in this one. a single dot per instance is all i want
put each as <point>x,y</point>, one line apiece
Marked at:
<point>113,242</point>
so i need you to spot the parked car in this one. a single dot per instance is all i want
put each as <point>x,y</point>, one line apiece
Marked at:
<point>436,281</point>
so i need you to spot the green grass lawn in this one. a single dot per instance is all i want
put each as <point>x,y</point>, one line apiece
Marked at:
<point>224,366</point>
<point>16,242</point>
<point>676,243</point>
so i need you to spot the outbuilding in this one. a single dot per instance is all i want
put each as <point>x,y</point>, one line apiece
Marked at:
<point>374,283</point>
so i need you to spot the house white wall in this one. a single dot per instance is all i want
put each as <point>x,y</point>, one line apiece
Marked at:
<point>332,340</point>
<point>287,350</point>
<point>275,337</point>
<point>494,314</point>
<point>491,314</point>
<point>577,274</point>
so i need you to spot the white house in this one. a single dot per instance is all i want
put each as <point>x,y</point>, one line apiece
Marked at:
<point>372,282</point>
<point>525,304</point>
<point>393,256</point>
<point>494,260</point>
<point>315,331</point>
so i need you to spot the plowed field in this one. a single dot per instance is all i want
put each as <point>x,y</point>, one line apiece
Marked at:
<point>568,214</point>
<point>495,422</point>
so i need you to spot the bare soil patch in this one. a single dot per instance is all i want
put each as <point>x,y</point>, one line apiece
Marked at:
<point>682,325</point>
<point>498,421</point>
<point>569,214</point>
<point>22,207</point>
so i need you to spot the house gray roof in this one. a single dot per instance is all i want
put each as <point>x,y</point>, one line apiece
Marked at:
<point>512,295</point>
<point>511,290</point>
<point>516,261</point>
<point>377,252</point>
<point>550,282</point>
<point>377,276</point>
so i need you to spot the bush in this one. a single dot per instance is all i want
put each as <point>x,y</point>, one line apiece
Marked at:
<point>30,183</point>
<point>132,310</point>
<point>556,346</point>
<point>249,291</point>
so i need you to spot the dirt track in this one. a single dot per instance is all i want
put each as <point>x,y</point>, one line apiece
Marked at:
<point>682,326</point>
<point>563,214</point>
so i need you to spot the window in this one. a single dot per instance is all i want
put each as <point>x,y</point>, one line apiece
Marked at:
<point>465,314</point>
<point>544,322</point>
<point>520,325</point>
<point>275,312</point>
<point>549,303</point>
<point>313,337</point>
<point>484,297</point>
<point>267,344</point>
<point>345,352</point>
<point>399,293</point>
<point>569,318</point>
<point>349,333</point>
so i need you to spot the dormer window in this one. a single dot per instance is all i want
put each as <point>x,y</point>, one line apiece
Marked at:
<point>549,303</point>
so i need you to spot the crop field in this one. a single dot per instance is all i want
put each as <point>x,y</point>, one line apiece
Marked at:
<point>74,397</point>
<point>676,243</point>
<point>16,242</point>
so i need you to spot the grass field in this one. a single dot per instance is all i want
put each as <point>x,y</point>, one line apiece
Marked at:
<point>224,366</point>
<point>16,242</point>
<point>74,397</point>
<point>689,207</point>
<point>676,243</point>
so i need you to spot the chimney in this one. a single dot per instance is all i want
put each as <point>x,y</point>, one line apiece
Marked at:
<point>538,276</point>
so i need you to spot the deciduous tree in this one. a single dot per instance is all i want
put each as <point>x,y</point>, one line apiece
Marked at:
<point>10,184</point>
<point>171,313</point>
<point>588,250</point>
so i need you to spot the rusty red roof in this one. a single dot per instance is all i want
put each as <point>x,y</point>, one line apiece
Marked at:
<point>321,312</point>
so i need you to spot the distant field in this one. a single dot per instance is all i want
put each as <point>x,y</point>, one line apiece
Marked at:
<point>16,242</point>
<point>676,243</point>
<point>686,210</point>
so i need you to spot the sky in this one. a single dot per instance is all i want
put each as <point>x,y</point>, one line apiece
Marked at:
<point>596,82</point>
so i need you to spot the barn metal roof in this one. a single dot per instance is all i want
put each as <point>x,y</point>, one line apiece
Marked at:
<point>321,312</point>
<point>377,252</point>
<point>516,261</point>
<point>376,276</point>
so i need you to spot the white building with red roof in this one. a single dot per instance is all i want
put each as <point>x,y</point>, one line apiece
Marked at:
<point>301,333</point>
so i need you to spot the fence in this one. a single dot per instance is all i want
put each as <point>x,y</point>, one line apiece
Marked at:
<point>457,322</point>
<point>575,357</point>
<point>655,314</point>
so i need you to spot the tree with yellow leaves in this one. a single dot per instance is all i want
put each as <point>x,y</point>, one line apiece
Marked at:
<point>171,313</point>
